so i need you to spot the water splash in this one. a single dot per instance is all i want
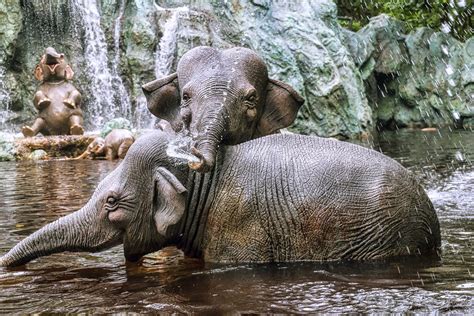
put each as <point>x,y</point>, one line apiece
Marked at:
<point>179,148</point>
<point>166,49</point>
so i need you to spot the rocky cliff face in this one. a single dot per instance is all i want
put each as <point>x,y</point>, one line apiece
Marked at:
<point>352,82</point>
<point>424,78</point>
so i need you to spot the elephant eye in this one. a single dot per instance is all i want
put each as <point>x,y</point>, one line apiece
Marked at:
<point>186,97</point>
<point>111,200</point>
<point>251,97</point>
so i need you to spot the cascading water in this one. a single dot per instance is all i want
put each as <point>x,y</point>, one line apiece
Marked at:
<point>164,57</point>
<point>108,97</point>
<point>166,49</point>
<point>4,100</point>
<point>142,117</point>
<point>121,93</point>
<point>95,53</point>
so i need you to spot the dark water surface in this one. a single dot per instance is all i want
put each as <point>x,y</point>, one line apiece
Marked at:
<point>34,194</point>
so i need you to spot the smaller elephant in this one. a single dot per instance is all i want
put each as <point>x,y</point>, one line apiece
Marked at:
<point>221,97</point>
<point>114,146</point>
<point>57,101</point>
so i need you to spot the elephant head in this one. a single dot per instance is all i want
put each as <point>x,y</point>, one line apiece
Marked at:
<point>94,149</point>
<point>97,147</point>
<point>137,204</point>
<point>53,67</point>
<point>221,97</point>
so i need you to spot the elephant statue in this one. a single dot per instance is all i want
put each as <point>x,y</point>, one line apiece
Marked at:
<point>114,146</point>
<point>221,97</point>
<point>57,100</point>
<point>278,198</point>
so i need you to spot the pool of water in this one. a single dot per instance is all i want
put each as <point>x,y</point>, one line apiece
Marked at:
<point>33,194</point>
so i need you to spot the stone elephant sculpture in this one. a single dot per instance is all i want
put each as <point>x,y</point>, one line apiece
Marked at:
<point>114,146</point>
<point>57,100</point>
<point>221,97</point>
<point>277,198</point>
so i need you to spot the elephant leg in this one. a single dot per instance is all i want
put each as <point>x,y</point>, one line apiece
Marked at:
<point>41,100</point>
<point>110,154</point>
<point>75,121</point>
<point>73,100</point>
<point>123,148</point>
<point>37,126</point>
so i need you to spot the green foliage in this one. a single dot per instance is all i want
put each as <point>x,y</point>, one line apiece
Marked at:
<point>121,123</point>
<point>415,13</point>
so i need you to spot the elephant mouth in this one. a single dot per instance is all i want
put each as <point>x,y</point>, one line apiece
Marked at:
<point>52,67</point>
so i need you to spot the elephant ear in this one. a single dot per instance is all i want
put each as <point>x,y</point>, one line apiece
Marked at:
<point>163,99</point>
<point>281,106</point>
<point>68,73</point>
<point>169,200</point>
<point>39,72</point>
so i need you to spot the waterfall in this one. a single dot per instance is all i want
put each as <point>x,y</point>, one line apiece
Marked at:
<point>121,93</point>
<point>4,100</point>
<point>101,89</point>
<point>166,49</point>
<point>142,118</point>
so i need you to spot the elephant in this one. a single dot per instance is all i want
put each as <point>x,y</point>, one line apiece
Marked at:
<point>57,100</point>
<point>114,146</point>
<point>221,97</point>
<point>279,198</point>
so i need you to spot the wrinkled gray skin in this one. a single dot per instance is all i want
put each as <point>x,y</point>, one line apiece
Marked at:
<point>57,100</point>
<point>221,97</point>
<point>114,146</point>
<point>273,199</point>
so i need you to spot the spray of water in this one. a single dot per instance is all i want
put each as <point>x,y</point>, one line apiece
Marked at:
<point>179,148</point>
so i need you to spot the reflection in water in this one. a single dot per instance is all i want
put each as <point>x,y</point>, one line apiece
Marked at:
<point>35,194</point>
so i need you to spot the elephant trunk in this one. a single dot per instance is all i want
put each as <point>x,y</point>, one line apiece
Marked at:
<point>52,56</point>
<point>205,149</point>
<point>75,232</point>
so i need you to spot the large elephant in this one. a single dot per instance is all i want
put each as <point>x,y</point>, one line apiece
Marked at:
<point>222,97</point>
<point>57,100</point>
<point>276,198</point>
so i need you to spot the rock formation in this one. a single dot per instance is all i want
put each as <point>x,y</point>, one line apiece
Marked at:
<point>352,82</point>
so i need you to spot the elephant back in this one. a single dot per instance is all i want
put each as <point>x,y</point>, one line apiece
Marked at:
<point>317,199</point>
<point>117,137</point>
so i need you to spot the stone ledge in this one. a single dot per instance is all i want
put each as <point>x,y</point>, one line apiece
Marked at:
<point>55,146</point>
